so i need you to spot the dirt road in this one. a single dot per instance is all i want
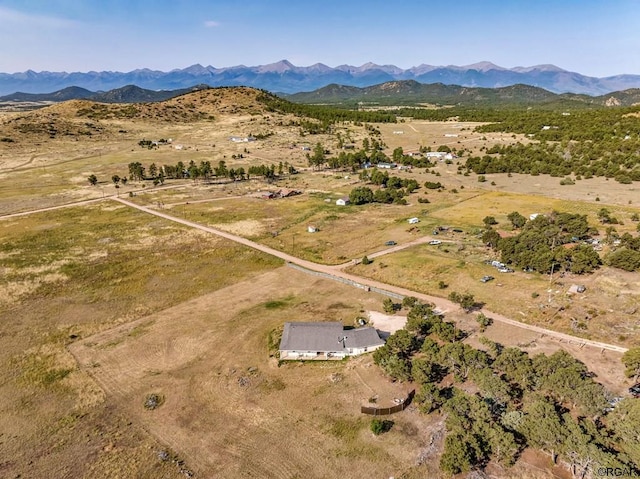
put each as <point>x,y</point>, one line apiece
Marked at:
<point>440,303</point>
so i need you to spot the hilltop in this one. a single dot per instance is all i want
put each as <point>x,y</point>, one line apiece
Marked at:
<point>86,119</point>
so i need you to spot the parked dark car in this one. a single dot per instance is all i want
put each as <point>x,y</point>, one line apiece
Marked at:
<point>486,279</point>
<point>390,243</point>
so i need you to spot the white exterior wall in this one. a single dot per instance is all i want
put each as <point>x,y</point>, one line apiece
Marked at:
<point>368,349</point>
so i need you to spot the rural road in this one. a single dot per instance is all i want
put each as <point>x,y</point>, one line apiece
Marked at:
<point>442,304</point>
<point>51,208</point>
<point>83,202</point>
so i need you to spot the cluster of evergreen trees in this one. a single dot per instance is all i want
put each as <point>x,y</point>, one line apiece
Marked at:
<point>555,242</point>
<point>371,152</point>
<point>540,244</point>
<point>392,189</point>
<point>547,402</point>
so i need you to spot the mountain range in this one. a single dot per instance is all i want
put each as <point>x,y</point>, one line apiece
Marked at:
<point>410,92</point>
<point>284,77</point>
<point>402,92</point>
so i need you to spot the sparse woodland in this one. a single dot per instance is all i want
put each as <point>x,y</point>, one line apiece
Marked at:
<point>551,403</point>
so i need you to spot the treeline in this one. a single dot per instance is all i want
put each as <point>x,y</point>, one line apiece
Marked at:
<point>598,142</point>
<point>205,171</point>
<point>585,142</point>
<point>595,125</point>
<point>611,159</point>
<point>550,403</point>
<point>324,114</point>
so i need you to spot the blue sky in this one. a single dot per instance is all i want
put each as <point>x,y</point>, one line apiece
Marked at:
<point>593,37</point>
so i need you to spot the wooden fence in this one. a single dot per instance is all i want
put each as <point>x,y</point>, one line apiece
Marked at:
<point>386,411</point>
<point>346,281</point>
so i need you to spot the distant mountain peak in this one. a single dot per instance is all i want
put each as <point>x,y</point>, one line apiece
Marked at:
<point>196,69</point>
<point>544,68</point>
<point>278,67</point>
<point>483,66</point>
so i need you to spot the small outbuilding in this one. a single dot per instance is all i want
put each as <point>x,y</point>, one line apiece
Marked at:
<point>312,229</point>
<point>344,201</point>
<point>577,288</point>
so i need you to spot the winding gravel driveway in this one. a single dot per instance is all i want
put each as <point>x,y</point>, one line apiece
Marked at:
<point>442,304</point>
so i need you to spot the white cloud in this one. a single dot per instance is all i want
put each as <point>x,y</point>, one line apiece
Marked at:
<point>16,17</point>
<point>211,24</point>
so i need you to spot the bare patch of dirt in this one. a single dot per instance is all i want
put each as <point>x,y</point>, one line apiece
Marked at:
<point>388,324</point>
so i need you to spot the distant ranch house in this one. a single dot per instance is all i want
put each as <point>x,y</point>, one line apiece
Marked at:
<point>324,341</point>
<point>387,166</point>
<point>440,155</point>
<point>242,139</point>
<point>344,201</point>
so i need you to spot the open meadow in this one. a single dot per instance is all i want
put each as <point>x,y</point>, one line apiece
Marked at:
<point>66,275</point>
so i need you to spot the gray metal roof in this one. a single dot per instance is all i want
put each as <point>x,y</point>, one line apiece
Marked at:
<point>362,338</point>
<point>326,337</point>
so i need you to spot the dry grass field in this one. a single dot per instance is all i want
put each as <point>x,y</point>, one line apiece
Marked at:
<point>229,408</point>
<point>69,274</point>
<point>101,305</point>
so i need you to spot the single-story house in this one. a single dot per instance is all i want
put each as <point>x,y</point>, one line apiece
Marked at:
<point>385,165</point>
<point>413,221</point>
<point>326,341</point>
<point>242,139</point>
<point>344,201</point>
<point>441,155</point>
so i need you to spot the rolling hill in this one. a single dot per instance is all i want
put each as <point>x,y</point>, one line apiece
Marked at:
<point>410,92</point>
<point>88,120</point>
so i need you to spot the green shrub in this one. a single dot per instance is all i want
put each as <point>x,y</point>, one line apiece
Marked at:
<point>380,426</point>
